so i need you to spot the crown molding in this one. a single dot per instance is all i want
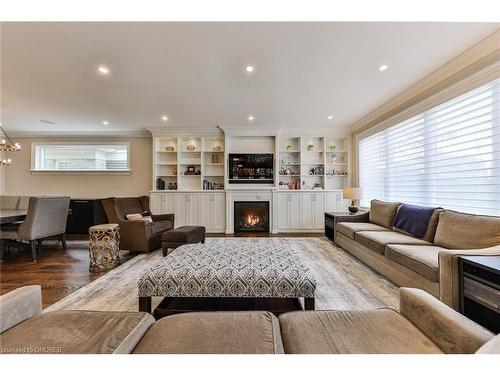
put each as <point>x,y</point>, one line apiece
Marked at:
<point>479,57</point>
<point>250,131</point>
<point>114,134</point>
<point>185,131</point>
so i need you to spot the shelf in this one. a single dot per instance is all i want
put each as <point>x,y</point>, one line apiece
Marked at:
<point>190,152</point>
<point>214,165</point>
<point>337,175</point>
<point>167,175</point>
<point>213,175</point>
<point>187,163</point>
<point>167,163</point>
<point>285,151</point>
<point>289,175</point>
<point>290,164</point>
<point>191,175</point>
<point>213,151</point>
<point>313,175</point>
<point>337,151</point>
<point>337,163</point>
<point>166,152</point>
<point>319,163</point>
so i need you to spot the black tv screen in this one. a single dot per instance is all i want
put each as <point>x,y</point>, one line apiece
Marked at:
<point>251,168</point>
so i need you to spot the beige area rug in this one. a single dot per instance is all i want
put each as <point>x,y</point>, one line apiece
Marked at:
<point>342,282</point>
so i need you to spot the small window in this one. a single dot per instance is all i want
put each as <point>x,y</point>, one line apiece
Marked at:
<point>80,157</point>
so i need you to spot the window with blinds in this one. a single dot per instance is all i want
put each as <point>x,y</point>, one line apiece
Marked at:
<point>448,156</point>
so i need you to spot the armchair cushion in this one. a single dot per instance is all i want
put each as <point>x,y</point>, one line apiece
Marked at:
<point>458,230</point>
<point>349,229</point>
<point>383,213</point>
<point>491,347</point>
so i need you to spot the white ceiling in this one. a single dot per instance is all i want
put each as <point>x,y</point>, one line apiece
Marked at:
<point>194,72</point>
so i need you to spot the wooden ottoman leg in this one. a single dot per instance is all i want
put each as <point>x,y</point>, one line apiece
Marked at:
<point>309,303</point>
<point>145,304</point>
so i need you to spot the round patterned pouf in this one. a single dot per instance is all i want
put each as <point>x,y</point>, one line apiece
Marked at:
<point>104,247</point>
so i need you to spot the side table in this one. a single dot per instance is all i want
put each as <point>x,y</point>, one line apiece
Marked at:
<point>479,290</point>
<point>332,218</point>
<point>104,247</point>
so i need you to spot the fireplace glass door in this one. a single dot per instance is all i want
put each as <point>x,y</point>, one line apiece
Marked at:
<point>251,217</point>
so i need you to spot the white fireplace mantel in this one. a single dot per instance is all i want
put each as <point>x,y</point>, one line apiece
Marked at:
<point>252,195</point>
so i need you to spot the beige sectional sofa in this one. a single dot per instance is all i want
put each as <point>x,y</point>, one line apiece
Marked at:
<point>421,325</point>
<point>429,263</point>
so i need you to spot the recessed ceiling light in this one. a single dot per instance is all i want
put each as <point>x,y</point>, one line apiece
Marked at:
<point>330,117</point>
<point>48,122</point>
<point>249,68</point>
<point>383,67</point>
<point>105,123</point>
<point>250,118</point>
<point>164,118</point>
<point>103,70</point>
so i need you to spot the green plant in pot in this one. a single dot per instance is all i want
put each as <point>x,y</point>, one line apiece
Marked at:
<point>288,147</point>
<point>310,147</point>
<point>333,147</point>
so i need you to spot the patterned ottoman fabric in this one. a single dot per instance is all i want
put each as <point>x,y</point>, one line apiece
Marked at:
<point>223,268</point>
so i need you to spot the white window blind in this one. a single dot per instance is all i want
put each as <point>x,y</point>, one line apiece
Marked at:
<point>448,156</point>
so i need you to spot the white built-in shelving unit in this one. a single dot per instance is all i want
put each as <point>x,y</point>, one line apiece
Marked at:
<point>313,163</point>
<point>175,156</point>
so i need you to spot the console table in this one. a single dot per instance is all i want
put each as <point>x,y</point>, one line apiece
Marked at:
<point>480,290</point>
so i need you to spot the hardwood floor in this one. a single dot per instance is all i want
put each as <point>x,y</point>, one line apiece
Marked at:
<point>63,272</point>
<point>59,272</point>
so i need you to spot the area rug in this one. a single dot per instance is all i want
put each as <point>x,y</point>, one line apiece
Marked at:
<point>342,282</point>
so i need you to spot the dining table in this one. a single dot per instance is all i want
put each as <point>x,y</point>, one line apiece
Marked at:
<point>11,216</point>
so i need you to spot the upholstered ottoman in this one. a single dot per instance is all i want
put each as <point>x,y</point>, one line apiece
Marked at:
<point>184,235</point>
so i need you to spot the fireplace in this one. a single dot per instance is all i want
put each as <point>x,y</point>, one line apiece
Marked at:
<point>251,217</point>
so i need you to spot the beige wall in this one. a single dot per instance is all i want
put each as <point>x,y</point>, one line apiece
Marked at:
<point>19,179</point>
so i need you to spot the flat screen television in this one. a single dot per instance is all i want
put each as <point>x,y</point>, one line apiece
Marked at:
<point>251,168</point>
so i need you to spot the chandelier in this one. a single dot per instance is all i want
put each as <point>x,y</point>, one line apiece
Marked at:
<point>7,145</point>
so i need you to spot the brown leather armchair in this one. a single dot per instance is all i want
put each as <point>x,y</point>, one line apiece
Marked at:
<point>140,236</point>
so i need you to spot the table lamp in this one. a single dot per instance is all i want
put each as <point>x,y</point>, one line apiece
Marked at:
<point>353,193</point>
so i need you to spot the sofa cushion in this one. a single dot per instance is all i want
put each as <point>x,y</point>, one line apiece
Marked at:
<point>349,229</point>
<point>245,332</point>
<point>382,213</point>
<point>349,332</point>
<point>78,332</point>
<point>377,241</point>
<point>458,230</point>
<point>421,259</point>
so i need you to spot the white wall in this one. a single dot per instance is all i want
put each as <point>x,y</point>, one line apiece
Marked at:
<point>19,180</point>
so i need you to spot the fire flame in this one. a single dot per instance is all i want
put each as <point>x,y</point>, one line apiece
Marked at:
<point>252,220</point>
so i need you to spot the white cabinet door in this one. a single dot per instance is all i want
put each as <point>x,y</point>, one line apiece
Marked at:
<point>294,211</point>
<point>180,211</point>
<point>319,211</point>
<point>283,216</point>
<point>218,213</point>
<point>307,210</point>
<point>331,201</point>
<point>156,203</point>
<point>193,207</point>
<point>206,203</point>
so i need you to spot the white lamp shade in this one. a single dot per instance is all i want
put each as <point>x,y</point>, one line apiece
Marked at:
<point>353,193</point>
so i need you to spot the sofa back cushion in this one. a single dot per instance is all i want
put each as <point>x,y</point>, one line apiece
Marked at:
<point>430,223</point>
<point>382,213</point>
<point>458,230</point>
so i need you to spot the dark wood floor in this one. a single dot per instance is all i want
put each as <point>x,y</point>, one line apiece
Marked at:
<point>62,272</point>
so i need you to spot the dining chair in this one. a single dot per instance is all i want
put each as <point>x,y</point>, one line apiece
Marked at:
<point>46,217</point>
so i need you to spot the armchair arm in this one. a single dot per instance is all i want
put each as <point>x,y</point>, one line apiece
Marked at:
<point>19,305</point>
<point>449,330</point>
<point>133,234</point>
<point>448,272</point>
<point>164,217</point>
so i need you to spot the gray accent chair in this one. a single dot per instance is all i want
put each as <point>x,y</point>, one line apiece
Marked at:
<point>46,217</point>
